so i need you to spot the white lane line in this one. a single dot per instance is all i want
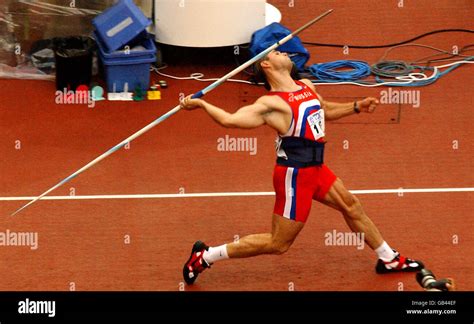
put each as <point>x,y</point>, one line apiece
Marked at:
<point>234,194</point>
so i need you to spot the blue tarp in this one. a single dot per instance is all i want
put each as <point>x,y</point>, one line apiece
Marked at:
<point>269,35</point>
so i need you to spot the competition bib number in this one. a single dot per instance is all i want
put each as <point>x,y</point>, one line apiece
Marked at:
<point>316,123</point>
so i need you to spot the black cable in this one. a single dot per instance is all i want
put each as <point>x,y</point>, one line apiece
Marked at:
<point>394,44</point>
<point>451,57</point>
<point>391,69</point>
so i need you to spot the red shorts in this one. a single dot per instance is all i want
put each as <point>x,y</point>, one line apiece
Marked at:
<point>295,189</point>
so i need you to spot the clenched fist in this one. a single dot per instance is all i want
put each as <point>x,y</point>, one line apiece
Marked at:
<point>368,104</point>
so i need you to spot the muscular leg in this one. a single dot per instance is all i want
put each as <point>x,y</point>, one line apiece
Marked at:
<point>341,199</point>
<point>284,232</point>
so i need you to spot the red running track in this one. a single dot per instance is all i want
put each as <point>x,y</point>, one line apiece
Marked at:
<point>85,241</point>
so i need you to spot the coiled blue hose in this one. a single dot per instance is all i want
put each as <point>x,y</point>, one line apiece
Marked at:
<point>342,70</point>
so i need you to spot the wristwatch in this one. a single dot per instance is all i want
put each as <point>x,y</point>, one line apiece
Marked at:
<point>356,108</point>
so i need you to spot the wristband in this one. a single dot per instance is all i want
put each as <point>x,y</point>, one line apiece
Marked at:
<point>356,108</point>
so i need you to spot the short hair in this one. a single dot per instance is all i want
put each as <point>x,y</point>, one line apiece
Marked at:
<point>259,75</point>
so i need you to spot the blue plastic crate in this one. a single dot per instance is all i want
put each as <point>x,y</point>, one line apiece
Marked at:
<point>147,43</point>
<point>120,24</point>
<point>132,71</point>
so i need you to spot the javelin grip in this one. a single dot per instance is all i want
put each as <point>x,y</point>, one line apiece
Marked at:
<point>197,95</point>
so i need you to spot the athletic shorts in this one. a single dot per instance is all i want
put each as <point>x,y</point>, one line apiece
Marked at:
<point>295,189</point>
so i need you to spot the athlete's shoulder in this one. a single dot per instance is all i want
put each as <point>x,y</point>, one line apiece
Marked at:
<point>311,86</point>
<point>308,83</point>
<point>268,99</point>
<point>272,101</point>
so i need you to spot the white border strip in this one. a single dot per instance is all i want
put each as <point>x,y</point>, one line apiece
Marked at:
<point>233,194</point>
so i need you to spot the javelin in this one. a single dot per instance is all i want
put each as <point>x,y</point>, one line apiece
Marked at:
<point>177,108</point>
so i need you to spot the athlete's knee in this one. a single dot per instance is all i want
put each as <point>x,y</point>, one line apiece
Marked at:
<point>280,247</point>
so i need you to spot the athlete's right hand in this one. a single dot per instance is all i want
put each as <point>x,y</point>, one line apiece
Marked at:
<point>190,104</point>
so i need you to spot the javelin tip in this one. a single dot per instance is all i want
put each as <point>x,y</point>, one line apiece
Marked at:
<point>299,30</point>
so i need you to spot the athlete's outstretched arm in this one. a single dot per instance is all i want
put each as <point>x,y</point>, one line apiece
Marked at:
<point>250,116</point>
<point>336,110</point>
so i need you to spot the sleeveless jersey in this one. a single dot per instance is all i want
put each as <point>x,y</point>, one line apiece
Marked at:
<point>307,116</point>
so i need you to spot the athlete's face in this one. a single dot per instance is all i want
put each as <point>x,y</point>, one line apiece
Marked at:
<point>280,60</point>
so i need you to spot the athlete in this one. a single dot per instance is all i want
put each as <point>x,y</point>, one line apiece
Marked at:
<point>298,113</point>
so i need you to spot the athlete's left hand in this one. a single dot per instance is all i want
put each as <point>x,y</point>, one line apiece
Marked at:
<point>368,104</point>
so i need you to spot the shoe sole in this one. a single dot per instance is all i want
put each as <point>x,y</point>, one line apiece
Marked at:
<point>383,270</point>
<point>198,246</point>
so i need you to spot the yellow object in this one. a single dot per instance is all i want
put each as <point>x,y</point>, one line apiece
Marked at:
<point>154,95</point>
